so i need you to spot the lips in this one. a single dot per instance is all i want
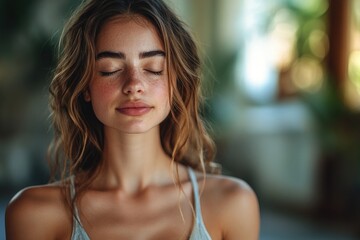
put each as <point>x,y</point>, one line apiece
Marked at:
<point>134,108</point>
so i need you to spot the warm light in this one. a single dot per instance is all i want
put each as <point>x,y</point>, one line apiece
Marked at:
<point>356,10</point>
<point>307,74</point>
<point>352,95</point>
<point>355,39</point>
<point>352,85</point>
<point>282,39</point>
<point>319,43</point>
<point>354,68</point>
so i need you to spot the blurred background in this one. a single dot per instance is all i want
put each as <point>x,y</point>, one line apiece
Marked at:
<point>283,81</point>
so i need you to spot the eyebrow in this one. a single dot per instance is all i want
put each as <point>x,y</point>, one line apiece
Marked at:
<point>110,54</point>
<point>120,55</point>
<point>152,54</point>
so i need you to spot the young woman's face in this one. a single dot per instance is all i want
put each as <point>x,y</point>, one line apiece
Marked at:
<point>129,91</point>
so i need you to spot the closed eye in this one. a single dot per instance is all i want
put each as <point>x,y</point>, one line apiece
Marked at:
<point>105,74</point>
<point>155,72</point>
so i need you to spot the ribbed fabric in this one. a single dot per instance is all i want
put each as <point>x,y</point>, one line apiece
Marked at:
<point>199,231</point>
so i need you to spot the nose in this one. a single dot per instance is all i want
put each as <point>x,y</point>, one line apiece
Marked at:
<point>133,83</point>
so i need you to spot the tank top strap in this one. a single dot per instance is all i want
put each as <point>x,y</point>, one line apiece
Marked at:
<point>72,195</point>
<point>78,232</point>
<point>199,231</point>
<point>196,194</point>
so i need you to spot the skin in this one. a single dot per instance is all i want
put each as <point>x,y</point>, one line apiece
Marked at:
<point>135,189</point>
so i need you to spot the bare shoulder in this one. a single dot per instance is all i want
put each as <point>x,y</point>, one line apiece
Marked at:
<point>227,186</point>
<point>37,212</point>
<point>235,204</point>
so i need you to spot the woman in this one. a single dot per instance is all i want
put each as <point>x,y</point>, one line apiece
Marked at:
<point>130,148</point>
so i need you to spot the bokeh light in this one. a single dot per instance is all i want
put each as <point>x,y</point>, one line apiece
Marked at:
<point>319,43</point>
<point>314,7</point>
<point>354,68</point>
<point>307,74</point>
<point>282,34</point>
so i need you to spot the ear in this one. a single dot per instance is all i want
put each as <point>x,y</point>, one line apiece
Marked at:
<point>86,96</point>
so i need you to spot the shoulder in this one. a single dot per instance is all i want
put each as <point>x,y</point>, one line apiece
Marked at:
<point>37,212</point>
<point>235,205</point>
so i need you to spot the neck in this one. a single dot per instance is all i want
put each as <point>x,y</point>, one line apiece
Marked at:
<point>132,162</point>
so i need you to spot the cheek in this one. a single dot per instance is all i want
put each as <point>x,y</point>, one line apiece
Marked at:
<point>100,92</point>
<point>102,95</point>
<point>161,90</point>
<point>165,98</point>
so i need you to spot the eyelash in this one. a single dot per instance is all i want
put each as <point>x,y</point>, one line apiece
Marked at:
<point>106,74</point>
<point>155,73</point>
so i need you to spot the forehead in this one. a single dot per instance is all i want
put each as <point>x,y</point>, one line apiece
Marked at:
<point>128,30</point>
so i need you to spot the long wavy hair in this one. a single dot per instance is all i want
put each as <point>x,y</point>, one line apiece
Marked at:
<point>78,135</point>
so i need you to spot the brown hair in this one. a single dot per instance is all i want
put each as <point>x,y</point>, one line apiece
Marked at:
<point>78,140</point>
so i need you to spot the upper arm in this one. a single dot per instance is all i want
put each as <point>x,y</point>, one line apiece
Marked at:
<point>241,215</point>
<point>31,214</point>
